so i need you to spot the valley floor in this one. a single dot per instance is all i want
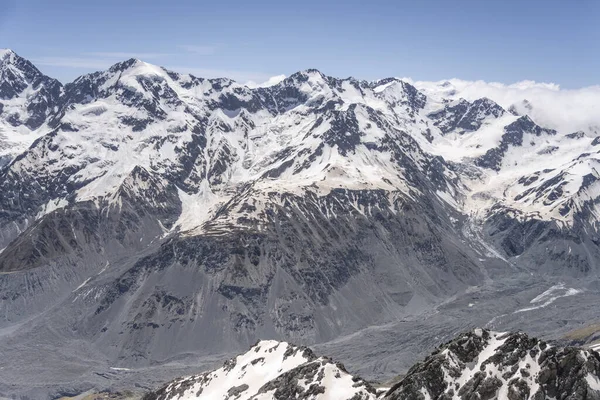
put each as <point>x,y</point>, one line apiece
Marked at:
<point>42,363</point>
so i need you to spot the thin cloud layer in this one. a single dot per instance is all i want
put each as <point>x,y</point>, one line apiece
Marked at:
<point>73,62</point>
<point>239,76</point>
<point>125,55</point>
<point>200,50</point>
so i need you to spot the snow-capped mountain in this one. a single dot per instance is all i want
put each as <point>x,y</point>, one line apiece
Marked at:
<point>28,102</point>
<point>144,205</point>
<point>475,365</point>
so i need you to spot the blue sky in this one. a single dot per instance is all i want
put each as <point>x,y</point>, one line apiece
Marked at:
<point>504,41</point>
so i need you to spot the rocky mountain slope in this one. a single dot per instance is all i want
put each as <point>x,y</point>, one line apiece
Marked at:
<point>139,205</point>
<point>480,364</point>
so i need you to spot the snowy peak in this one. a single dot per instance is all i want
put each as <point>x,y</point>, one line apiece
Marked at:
<point>401,95</point>
<point>313,88</point>
<point>4,53</point>
<point>126,75</point>
<point>271,370</point>
<point>190,130</point>
<point>307,75</point>
<point>28,101</point>
<point>126,65</point>
<point>514,135</point>
<point>526,125</point>
<point>521,108</point>
<point>17,74</point>
<point>136,70</point>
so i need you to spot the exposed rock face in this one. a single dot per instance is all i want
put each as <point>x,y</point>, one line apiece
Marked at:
<point>490,365</point>
<point>513,136</point>
<point>296,277</point>
<point>462,116</point>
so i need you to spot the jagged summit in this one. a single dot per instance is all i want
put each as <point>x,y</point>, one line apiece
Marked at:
<point>307,128</point>
<point>136,67</point>
<point>309,72</point>
<point>17,70</point>
<point>125,65</point>
<point>6,53</point>
<point>28,102</point>
<point>461,116</point>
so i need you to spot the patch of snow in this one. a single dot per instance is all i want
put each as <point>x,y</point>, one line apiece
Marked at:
<point>550,296</point>
<point>196,208</point>
<point>5,52</point>
<point>82,285</point>
<point>593,382</point>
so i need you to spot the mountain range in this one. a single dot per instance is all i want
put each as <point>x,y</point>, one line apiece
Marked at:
<point>151,218</point>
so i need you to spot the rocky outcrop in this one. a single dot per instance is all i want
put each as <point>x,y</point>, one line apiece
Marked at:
<point>463,116</point>
<point>490,365</point>
<point>513,137</point>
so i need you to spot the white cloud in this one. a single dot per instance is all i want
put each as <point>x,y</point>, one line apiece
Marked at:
<point>74,62</point>
<point>94,61</point>
<point>236,75</point>
<point>201,50</point>
<point>272,81</point>
<point>124,55</point>
<point>102,60</point>
<point>553,107</point>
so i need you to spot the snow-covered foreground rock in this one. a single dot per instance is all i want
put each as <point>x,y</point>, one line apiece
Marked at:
<point>490,365</point>
<point>480,364</point>
<point>271,370</point>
